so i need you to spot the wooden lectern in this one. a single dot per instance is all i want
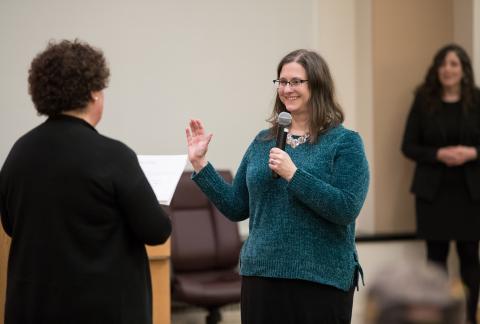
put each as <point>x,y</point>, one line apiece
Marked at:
<point>4,248</point>
<point>159,257</point>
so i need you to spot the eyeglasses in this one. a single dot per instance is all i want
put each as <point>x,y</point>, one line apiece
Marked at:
<point>293,83</point>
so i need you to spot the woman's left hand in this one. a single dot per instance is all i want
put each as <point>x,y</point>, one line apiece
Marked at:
<point>457,155</point>
<point>280,162</point>
<point>466,153</point>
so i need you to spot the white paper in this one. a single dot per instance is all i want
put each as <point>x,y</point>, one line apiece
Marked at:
<point>163,173</point>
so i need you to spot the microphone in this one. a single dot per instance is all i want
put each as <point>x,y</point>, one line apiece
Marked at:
<point>284,120</point>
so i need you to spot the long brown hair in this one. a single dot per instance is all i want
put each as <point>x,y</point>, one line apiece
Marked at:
<point>431,89</point>
<point>324,110</point>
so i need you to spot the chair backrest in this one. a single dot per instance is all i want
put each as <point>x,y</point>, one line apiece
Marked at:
<point>202,238</point>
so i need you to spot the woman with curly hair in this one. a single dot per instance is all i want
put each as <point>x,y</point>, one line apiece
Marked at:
<point>76,204</point>
<point>442,136</point>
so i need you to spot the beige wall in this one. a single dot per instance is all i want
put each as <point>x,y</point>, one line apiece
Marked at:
<point>406,34</point>
<point>378,53</point>
<point>345,43</point>
<point>364,104</point>
<point>463,24</point>
<point>476,39</point>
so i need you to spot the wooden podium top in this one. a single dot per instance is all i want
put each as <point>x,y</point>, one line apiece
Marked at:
<point>159,252</point>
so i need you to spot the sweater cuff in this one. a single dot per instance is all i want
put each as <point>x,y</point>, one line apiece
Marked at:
<point>202,171</point>
<point>300,181</point>
<point>204,176</point>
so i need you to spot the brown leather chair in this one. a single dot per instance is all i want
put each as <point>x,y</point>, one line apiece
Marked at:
<point>205,251</point>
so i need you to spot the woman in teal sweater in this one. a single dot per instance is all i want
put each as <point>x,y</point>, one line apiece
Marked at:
<point>299,263</point>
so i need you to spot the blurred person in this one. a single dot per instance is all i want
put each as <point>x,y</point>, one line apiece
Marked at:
<point>76,204</point>
<point>299,263</point>
<point>409,293</point>
<point>442,136</point>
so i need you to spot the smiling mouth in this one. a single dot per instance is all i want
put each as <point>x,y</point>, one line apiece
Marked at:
<point>291,98</point>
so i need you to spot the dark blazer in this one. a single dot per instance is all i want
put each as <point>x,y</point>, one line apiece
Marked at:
<point>80,211</point>
<point>424,135</point>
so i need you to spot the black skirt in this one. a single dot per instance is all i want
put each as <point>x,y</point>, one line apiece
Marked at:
<point>452,215</point>
<point>290,301</point>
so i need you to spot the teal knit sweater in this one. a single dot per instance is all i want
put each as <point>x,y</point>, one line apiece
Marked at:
<point>305,228</point>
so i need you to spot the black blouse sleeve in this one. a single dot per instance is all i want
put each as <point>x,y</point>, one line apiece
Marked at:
<point>7,227</point>
<point>138,202</point>
<point>413,146</point>
<point>6,223</point>
<point>476,102</point>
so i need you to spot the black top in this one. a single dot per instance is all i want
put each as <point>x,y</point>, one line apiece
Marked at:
<point>451,119</point>
<point>79,210</point>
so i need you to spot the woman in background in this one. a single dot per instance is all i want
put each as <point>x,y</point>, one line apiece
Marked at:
<point>299,263</point>
<point>442,136</point>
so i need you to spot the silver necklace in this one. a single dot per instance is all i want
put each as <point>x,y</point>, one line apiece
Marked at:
<point>294,142</point>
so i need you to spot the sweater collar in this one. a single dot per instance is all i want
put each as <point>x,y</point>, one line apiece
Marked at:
<point>71,119</point>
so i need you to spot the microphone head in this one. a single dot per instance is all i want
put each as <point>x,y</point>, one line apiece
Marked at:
<point>284,119</point>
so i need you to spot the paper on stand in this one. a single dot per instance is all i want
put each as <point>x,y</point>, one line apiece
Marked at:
<point>163,173</point>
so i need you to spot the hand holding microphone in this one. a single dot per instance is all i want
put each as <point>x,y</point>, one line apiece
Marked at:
<point>279,161</point>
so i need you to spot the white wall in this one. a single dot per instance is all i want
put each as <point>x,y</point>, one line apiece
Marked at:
<point>170,61</point>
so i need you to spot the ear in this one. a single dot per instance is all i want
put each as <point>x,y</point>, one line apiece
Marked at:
<point>96,107</point>
<point>95,95</point>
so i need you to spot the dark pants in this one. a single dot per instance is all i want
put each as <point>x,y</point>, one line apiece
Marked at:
<point>437,251</point>
<point>287,301</point>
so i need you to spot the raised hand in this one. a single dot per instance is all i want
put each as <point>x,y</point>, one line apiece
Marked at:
<point>197,141</point>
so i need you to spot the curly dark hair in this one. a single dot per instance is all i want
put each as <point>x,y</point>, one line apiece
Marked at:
<point>62,77</point>
<point>431,89</point>
<point>325,112</point>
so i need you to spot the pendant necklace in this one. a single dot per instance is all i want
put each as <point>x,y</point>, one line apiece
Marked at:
<point>294,142</point>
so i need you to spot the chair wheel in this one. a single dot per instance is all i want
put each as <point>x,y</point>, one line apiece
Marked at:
<point>214,316</point>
